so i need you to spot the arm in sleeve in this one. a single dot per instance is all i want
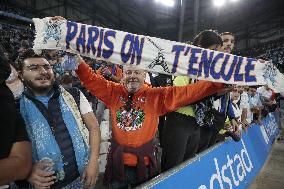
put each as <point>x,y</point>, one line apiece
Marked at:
<point>85,106</point>
<point>168,99</point>
<point>181,81</point>
<point>20,157</point>
<point>96,84</point>
<point>91,171</point>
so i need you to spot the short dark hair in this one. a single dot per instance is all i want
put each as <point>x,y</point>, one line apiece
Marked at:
<point>66,79</point>
<point>227,33</point>
<point>254,86</point>
<point>207,38</point>
<point>28,53</point>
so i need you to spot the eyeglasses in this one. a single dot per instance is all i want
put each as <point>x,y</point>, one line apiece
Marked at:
<point>36,67</point>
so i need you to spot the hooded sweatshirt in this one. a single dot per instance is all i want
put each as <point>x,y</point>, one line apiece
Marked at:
<point>138,125</point>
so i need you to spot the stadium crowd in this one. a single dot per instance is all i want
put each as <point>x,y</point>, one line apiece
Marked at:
<point>272,50</point>
<point>9,9</point>
<point>58,94</point>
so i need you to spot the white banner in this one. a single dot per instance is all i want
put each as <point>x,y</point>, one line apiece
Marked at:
<point>154,54</point>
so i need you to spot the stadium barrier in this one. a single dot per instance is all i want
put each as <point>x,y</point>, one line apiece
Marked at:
<point>226,165</point>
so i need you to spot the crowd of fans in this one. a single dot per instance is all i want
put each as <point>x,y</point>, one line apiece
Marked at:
<point>182,133</point>
<point>272,50</point>
<point>14,39</point>
<point>13,10</point>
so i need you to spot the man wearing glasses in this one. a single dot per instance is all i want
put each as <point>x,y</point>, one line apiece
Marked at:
<point>65,152</point>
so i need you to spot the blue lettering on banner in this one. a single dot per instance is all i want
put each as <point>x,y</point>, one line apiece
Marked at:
<point>93,33</point>
<point>231,70</point>
<point>230,165</point>
<point>238,76</point>
<point>87,38</point>
<point>108,43</point>
<point>135,49</point>
<point>177,49</point>
<point>193,60</point>
<point>125,56</point>
<point>249,67</point>
<point>81,39</point>
<point>71,32</point>
<point>205,63</point>
<point>186,51</point>
<point>214,74</point>
<point>100,43</point>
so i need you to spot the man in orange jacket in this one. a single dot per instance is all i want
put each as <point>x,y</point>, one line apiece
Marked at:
<point>135,108</point>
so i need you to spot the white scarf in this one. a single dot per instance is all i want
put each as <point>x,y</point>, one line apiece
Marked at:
<point>154,54</point>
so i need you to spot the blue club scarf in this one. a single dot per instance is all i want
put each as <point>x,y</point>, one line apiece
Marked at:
<point>42,138</point>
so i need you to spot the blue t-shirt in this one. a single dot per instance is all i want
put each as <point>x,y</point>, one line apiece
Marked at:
<point>43,99</point>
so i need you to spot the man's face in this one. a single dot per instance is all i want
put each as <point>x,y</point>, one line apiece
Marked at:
<point>54,58</point>
<point>235,94</point>
<point>52,53</point>
<point>252,92</point>
<point>228,43</point>
<point>133,78</point>
<point>37,74</point>
<point>240,89</point>
<point>6,55</point>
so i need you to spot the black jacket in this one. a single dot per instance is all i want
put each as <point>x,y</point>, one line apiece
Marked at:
<point>11,123</point>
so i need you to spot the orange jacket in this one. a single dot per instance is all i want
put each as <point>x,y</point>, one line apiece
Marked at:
<point>138,127</point>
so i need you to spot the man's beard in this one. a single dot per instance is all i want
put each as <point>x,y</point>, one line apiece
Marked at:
<point>133,87</point>
<point>38,89</point>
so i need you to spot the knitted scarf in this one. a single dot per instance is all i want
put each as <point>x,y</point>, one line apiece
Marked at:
<point>41,136</point>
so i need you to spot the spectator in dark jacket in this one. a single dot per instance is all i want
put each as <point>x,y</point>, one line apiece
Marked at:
<point>15,149</point>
